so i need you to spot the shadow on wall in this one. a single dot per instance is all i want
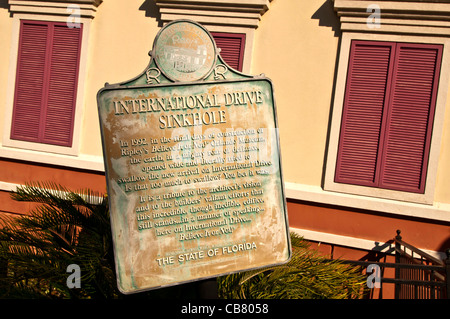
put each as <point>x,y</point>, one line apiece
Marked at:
<point>4,4</point>
<point>445,246</point>
<point>327,17</point>
<point>151,10</point>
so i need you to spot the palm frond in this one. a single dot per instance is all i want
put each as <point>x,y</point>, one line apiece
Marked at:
<point>66,227</point>
<point>308,275</point>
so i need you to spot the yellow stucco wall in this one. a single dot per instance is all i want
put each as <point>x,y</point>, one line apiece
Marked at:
<point>442,191</point>
<point>299,55</point>
<point>5,40</point>
<point>121,38</point>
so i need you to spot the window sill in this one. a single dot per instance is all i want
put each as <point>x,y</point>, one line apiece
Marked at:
<point>82,161</point>
<point>436,211</point>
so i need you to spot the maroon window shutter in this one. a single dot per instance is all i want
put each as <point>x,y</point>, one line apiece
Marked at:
<point>364,106</point>
<point>388,115</point>
<point>30,79</point>
<point>410,117</point>
<point>46,82</point>
<point>62,90</point>
<point>232,47</point>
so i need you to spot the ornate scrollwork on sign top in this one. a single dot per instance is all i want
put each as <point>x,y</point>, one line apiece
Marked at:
<point>152,75</point>
<point>219,71</point>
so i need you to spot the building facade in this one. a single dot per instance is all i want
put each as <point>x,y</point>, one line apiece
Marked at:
<point>361,89</point>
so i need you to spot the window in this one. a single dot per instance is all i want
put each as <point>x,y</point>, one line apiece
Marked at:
<point>46,83</point>
<point>388,115</point>
<point>231,48</point>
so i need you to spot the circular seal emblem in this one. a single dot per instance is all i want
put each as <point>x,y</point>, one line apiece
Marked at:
<point>184,51</point>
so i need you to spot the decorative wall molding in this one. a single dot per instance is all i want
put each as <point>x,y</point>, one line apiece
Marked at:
<point>419,17</point>
<point>237,13</point>
<point>86,8</point>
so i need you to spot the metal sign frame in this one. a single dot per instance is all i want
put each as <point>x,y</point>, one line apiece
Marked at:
<point>147,258</point>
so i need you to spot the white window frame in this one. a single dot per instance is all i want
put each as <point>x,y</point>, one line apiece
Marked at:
<point>334,133</point>
<point>39,152</point>
<point>7,141</point>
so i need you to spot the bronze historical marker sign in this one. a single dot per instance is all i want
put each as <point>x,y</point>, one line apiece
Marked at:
<point>193,166</point>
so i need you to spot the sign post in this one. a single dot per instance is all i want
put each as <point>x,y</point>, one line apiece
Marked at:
<point>192,165</point>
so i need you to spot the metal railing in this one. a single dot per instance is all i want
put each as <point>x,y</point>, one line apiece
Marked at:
<point>418,275</point>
